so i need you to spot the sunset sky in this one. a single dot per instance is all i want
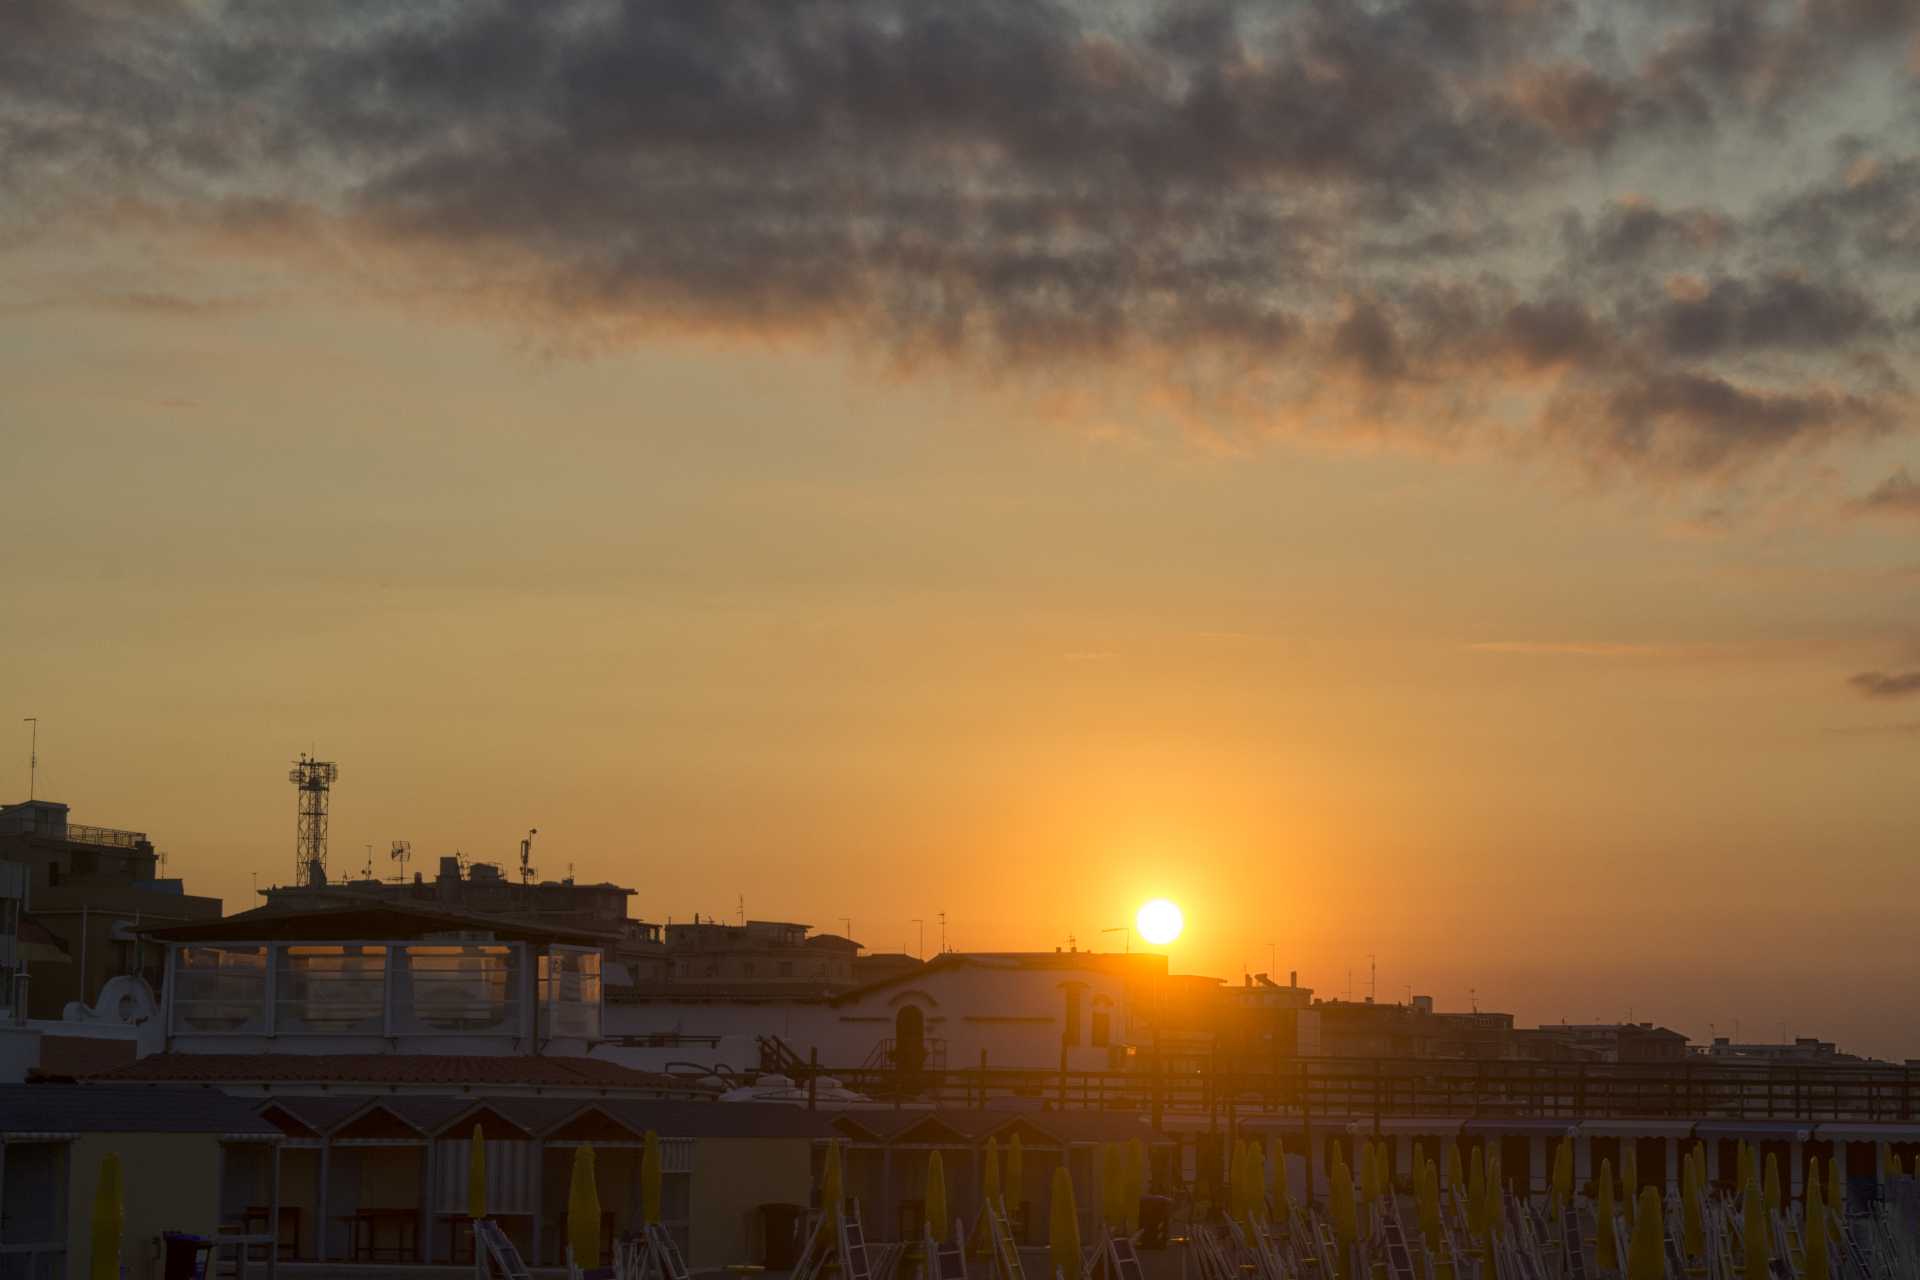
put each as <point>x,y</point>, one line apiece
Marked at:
<point>1429,479</point>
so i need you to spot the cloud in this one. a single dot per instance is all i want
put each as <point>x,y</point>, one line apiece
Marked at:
<point>1596,649</point>
<point>1897,495</point>
<point>1881,684</point>
<point>1337,219</point>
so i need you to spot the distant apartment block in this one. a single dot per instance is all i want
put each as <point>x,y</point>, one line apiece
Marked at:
<point>87,892</point>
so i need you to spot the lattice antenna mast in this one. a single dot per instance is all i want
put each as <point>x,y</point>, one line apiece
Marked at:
<point>313,780</point>
<point>401,851</point>
<point>527,872</point>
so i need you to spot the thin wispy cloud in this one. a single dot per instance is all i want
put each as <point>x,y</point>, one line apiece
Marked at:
<point>1884,684</point>
<point>1395,221</point>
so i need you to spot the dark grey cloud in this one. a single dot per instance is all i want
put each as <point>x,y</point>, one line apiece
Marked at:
<point>1336,197</point>
<point>1897,495</point>
<point>1882,684</point>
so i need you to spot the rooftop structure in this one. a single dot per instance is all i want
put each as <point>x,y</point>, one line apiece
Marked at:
<point>88,888</point>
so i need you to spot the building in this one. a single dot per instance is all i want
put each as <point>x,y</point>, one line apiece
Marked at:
<point>191,1160</point>
<point>91,889</point>
<point>1808,1049</point>
<point>1604,1042</point>
<point>378,979</point>
<point>632,948</point>
<point>1363,1029</point>
<point>711,952</point>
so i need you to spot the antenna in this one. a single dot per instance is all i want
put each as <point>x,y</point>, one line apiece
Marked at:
<point>314,780</point>
<point>1373,978</point>
<point>33,754</point>
<point>922,926</point>
<point>846,923</point>
<point>367,874</point>
<point>740,908</point>
<point>526,855</point>
<point>401,851</point>
<point>943,933</point>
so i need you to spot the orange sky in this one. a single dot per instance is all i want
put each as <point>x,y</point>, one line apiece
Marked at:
<point>758,621</point>
<point>1430,482</point>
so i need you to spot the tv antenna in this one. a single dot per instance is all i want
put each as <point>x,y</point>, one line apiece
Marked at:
<point>313,780</point>
<point>367,873</point>
<point>33,753</point>
<point>401,851</point>
<point>526,856</point>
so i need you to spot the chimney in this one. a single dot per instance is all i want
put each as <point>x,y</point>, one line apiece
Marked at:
<point>1293,977</point>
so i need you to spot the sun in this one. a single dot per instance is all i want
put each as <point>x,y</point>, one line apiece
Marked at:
<point>1159,922</point>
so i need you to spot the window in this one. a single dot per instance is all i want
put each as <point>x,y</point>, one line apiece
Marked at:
<point>220,989</point>
<point>1070,1034</point>
<point>330,989</point>
<point>570,992</point>
<point>470,987</point>
<point>1102,1034</point>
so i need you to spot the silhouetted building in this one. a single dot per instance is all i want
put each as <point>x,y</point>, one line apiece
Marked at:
<point>89,889</point>
<point>771,951</point>
<point>1604,1042</point>
<point>1801,1049</point>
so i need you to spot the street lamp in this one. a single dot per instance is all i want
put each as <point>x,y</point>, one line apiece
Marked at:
<point>1127,944</point>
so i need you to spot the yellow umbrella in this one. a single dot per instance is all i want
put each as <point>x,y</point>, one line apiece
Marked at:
<point>1136,1188</point>
<point>1428,1193</point>
<point>1340,1201</point>
<point>937,1197</point>
<point>109,1220</point>
<point>1753,1231</point>
<point>1063,1235</point>
<point>1646,1250</point>
<point>1562,1175</point>
<point>1819,1264</point>
<point>477,1175</point>
<point>1456,1181</point>
<point>1256,1181</point>
<point>1369,1175</point>
<point>1477,1193</point>
<point>1836,1193</point>
<point>1606,1251</point>
<point>583,1211</point>
<point>832,1196</point>
<point>1692,1224</point>
<point>1277,1161</point>
<point>1770,1187</point>
<point>650,1178</point>
<point>1016,1173</point>
<point>990,1172</point>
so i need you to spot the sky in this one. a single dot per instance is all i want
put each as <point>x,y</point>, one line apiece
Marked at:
<point>1427,486</point>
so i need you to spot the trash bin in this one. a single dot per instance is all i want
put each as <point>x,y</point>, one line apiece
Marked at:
<point>182,1256</point>
<point>1156,1212</point>
<point>780,1233</point>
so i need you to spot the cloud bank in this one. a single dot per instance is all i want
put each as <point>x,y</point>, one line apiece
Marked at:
<point>1430,221</point>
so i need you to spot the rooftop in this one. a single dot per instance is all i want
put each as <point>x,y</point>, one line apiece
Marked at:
<point>54,1108</point>
<point>468,1071</point>
<point>364,920</point>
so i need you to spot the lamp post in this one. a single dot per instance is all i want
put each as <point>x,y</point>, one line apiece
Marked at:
<point>1127,943</point>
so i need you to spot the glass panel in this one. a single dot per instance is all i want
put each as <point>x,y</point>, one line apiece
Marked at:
<point>570,992</point>
<point>330,989</point>
<point>471,987</point>
<point>220,989</point>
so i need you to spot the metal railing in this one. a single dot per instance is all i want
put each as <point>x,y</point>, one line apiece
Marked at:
<point>1362,1088</point>
<point>111,837</point>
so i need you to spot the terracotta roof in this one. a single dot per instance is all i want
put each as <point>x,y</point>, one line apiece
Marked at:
<point>465,1070</point>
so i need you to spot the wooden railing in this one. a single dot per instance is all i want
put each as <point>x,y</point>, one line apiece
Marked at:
<point>1360,1088</point>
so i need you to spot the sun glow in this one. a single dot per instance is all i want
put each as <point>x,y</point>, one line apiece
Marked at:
<point>1159,922</point>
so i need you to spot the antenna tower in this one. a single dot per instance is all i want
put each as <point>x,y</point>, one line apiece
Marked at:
<point>401,851</point>
<point>313,779</point>
<point>527,872</point>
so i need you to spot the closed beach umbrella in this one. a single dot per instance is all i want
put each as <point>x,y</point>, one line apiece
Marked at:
<point>1369,1175</point>
<point>1477,1194</point>
<point>1429,1197</point>
<point>1693,1230</point>
<point>1606,1252</point>
<point>109,1220</point>
<point>1819,1264</point>
<point>1063,1233</point>
<point>1753,1231</point>
<point>477,1175</point>
<point>1016,1191</point>
<point>583,1210</point>
<point>1278,1162</point>
<point>1770,1186</point>
<point>1646,1250</point>
<point>1256,1181</point>
<point>1563,1175</point>
<point>990,1172</point>
<point>650,1178</point>
<point>1346,1221</point>
<point>1136,1182</point>
<point>1836,1195</point>
<point>937,1197</point>
<point>1456,1181</point>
